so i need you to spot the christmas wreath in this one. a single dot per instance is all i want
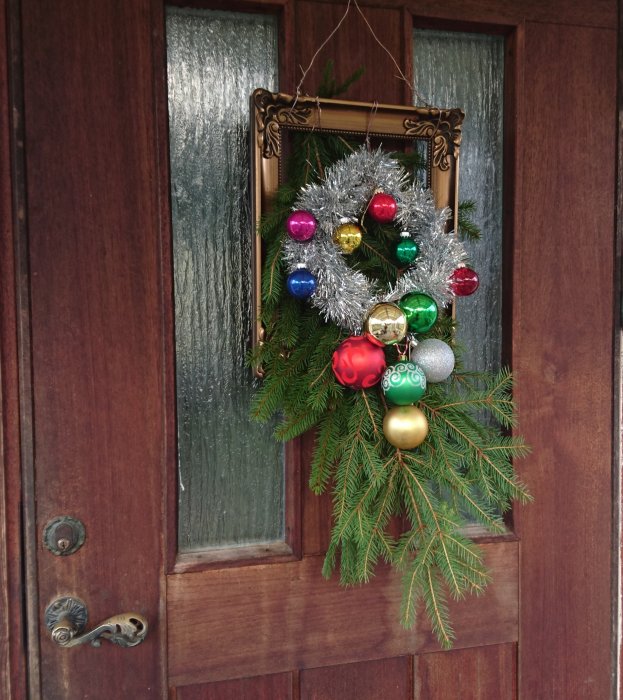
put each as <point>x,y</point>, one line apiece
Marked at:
<point>358,268</point>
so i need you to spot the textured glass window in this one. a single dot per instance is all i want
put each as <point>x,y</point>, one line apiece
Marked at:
<point>231,482</point>
<point>454,69</point>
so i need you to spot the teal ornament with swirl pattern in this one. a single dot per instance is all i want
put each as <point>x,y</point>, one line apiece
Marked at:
<point>403,383</point>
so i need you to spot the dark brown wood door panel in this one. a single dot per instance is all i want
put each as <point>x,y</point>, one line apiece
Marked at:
<point>98,316</point>
<point>276,617</point>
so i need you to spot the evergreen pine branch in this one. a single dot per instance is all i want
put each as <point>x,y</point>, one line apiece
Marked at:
<point>272,276</point>
<point>437,609</point>
<point>329,87</point>
<point>413,161</point>
<point>325,454</point>
<point>413,581</point>
<point>467,228</point>
<point>371,256</point>
<point>379,542</point>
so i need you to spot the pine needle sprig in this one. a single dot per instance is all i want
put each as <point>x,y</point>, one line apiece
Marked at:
<point>329,87</point>
<point>467,228</point>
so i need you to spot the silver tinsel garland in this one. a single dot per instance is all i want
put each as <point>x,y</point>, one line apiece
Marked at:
<point>344,295</point>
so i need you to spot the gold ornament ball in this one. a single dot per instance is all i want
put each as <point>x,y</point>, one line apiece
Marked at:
<point>405,427</point>
<point>348,237</point>
<point>386,324</point>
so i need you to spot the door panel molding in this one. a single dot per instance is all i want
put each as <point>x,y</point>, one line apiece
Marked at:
<point>288,616</point>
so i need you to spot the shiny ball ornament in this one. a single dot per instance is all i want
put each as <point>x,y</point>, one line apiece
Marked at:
<point>405,427</point>
<point>301,225</point>
<point>348,237</point>
<point>406,251</point>
<point>420,310</point>
<point>403,383</point>
<point>382,208</point>
<point>464,281</point>
<point>386,324</point>
<point>357,363</point>
<point>301,283</point>
<point>435,358</point>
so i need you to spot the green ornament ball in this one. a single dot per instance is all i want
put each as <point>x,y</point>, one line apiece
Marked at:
<point>403,383</point>
<point>406,251</point>
<point>420,310</point>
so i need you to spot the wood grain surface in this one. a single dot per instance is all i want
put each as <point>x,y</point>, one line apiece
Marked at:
<point>482,673</point>
<point>494,15</point>
<point>389,679</point>
<point>562,354</point>
<point>273,687</point>
<point>618,360</point>
<point>274,618</point>
<point>12,642</point>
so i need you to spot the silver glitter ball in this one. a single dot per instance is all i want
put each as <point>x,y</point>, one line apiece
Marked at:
<point>435,357</point>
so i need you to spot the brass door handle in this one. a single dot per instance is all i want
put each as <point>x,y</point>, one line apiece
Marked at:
<point>66,618</point>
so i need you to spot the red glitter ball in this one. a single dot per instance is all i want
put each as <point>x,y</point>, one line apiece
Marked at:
<point>382,208</point>
<point>357,363</point>
<point>463,282</point>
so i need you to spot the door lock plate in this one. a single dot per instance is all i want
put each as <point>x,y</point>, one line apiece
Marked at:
<point>63,535</point>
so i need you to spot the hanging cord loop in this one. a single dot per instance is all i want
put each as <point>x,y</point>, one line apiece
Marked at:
<point>400,74</point>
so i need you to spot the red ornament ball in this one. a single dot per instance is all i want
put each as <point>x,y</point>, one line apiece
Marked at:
<point>382,208</point>
<point>464,281</point>
<point>358,363</point>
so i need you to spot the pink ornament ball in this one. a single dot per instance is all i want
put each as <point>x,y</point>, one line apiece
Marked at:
<point>464,281</point>
<point>358,363</point>
<point>382,208</point>
<point>301,225</point>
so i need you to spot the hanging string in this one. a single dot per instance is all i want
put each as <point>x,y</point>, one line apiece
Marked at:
<point>318,50</point>
<point>371,116</point>
<point>399,76</point>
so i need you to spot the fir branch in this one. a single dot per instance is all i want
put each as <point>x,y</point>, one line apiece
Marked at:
<point>413,161</point>
<point>325,453</point>
<point>378,530</point>
<point>329,87</point>
<point>437,610</point>
<point>467,228</point>
<point>413,582</point>
<point>272,284</point>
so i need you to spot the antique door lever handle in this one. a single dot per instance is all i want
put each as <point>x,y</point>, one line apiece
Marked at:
<point>66,618</point>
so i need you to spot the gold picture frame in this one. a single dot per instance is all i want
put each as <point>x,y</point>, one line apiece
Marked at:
<point>273,114</point>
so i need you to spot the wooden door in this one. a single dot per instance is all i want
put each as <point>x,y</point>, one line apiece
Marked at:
<point>88,377</point>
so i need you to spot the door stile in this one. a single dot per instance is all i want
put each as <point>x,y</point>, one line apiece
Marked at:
<point>513,133</point>
<point>19,565</point>
<point>617,443</point>
<point>565,387</point>
<point>165,277</point>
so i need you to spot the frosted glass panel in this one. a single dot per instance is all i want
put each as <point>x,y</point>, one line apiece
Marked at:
<point>231,482</point>
<point>467,70</point>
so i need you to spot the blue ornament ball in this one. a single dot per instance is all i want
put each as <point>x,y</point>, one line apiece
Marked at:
<point>301,283</point>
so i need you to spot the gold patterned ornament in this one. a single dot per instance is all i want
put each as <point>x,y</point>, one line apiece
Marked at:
<point>405,427</point>
<point>386,324</point>
<point>348,236</point>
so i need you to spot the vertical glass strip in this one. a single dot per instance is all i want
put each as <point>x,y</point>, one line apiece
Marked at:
<point>454,69</point>
<point>231,471</point>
